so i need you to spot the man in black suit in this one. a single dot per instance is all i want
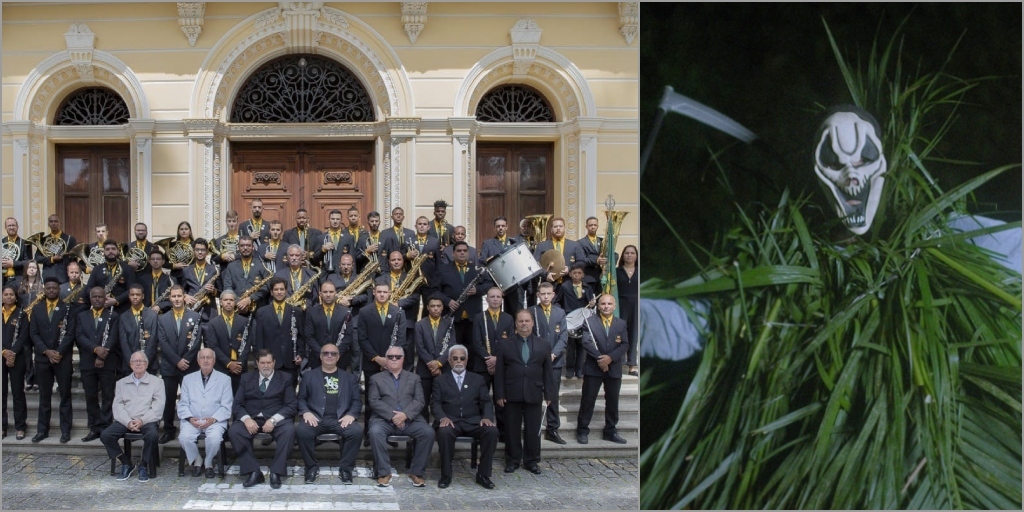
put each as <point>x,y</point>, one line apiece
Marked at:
<point>337,241</point>
<point>295,275</point>
<point>224,248</point>
<point>199,280</point>
<point>491,327</point>
<point>440,228</point>
<point>462,406</point>
<point>522,381</point>
<point>99,360</point>
<point>242,274</point>
<point>379,325</point>
<point>342,279</point>
<point>324,323</point>
<point>119,271</point>
<point>549,324</point>
<point>368,246</point>
<point>329,404</point>
<point>592,258</point>
<point>606,341</point>
<point>256,229</point>
<point>570,249</point>
<point>453,279</point>
<point>273,252</point>
<point>141,244</point>
<point>309,239</point>
<point>178,335</point>
<point>495,246</point>
<point>410,304</point>
<point>12,267</point>
<point>56,265</point>
<point>278,328</point>
<point>225,334</point>
<point>265,402</point>
<point>396,403</point>
<point>574,295</point>
<point>433,336</point>
<point>395,237</point>
<point>424,243</point>
<point>458,235</point>
<point>155,283</point>
<point>52,331</point>
<point>137,330</point>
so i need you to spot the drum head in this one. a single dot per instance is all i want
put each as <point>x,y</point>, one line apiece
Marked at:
<point>577,317</point>
<point>513,267</point>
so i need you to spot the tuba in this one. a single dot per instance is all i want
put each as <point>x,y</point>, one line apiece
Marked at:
<point>608,279</point>
<point>48,244</point>
<point>132,253</point>
<point>539,225</point>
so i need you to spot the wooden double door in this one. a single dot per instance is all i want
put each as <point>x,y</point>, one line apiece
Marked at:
<point>94,185</point>
<point>512,180</point>
<point>319,177</point>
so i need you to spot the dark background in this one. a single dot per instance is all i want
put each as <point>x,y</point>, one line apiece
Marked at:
<point>770,67</point>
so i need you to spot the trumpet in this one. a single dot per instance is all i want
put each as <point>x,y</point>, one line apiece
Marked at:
<point>328,255</point>
<point>48,244</point>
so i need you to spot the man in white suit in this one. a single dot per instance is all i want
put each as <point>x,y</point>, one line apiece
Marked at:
<point>205,406</point>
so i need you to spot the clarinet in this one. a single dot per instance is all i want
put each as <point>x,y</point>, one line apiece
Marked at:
<point>487,337</point>
<point>444,342</point>
<point>106,330</point>
<point>394,334</point>
<point>17,325</point>
<point>344,327</point>
<point>63,330</point>
<point>245,335</point>
<point>536,323</point>
<point>295,335</point>
<point>195,336</point>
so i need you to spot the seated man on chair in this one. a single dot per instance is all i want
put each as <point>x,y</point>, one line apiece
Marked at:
<point>396,402</point>
<point>138,406</point>
<point>204,407</point>
<point>329,403</point>
<point>265,403</point>
<point>462,405</point>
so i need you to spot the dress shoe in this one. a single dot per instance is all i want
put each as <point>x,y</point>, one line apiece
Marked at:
<point>20,435</point>
<point>39,436</point>
<point>484,482</point>
<point>552,435</point>
<point>634,372</point>
<point>384,481</point>
<point>65,437</point>
<point>417,481</point>
<point>535,469</point>
<point>511,467</point>
<point>166,437</point>
<point>197,471</point>
<point>210,473</point>
<point>256,477</point>
<point>311,474</point>
<point>614,437</point>
<point>275,480</point>
<point>444,482</point>
<point>91,436</point>
<point>346,476</point>
<point>582,438</point>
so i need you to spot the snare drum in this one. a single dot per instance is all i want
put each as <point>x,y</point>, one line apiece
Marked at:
<point>574,321</point>
<point>513,267</point>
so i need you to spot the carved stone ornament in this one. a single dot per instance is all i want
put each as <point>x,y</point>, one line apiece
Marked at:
<point>414,15</point>
<point>629,20</point>
<point>525,41</point>
<point>80,43</point>
<point>190,17</point>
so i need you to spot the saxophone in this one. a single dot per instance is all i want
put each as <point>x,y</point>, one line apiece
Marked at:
<point>202,296</point>
<point>256,286</point>
<point>35,301</point>
<point>362,281</point>
<point>298,297</point>
<point>112,280</point>
<point>412,280</point>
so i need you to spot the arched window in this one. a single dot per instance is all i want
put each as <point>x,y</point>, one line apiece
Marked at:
<point>514,103</point>
<point>302,89</point>
<point>92,106</point>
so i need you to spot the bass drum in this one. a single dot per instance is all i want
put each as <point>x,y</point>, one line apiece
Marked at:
<point>513,267</point>
<point>574,321</point>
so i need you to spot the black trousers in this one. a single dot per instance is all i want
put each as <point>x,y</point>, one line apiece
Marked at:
<point>241,441</point>
<point>46,374</point>
<point>574,355</point>
<point>591,385</point>
<point>171,385</point>
<point>499,412</point>
<point>520,416</point>
<point>350,439</point>
<point>488,437</point>
<point>99,397</point>
<point>14,380</point>
<point>111,436</point>
<point>551,419</point>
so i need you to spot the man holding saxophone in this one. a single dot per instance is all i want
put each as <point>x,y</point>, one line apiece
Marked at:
<point>114,276</point>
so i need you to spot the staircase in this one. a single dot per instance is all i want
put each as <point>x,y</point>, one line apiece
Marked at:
<point>569,400</point>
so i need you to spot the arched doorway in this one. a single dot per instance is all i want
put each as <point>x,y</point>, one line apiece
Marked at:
<point>317,176</point>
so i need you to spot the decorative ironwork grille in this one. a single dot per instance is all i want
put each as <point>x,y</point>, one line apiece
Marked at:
<point>92,106</point>
<point>514,104</point>
<point>302,89</point>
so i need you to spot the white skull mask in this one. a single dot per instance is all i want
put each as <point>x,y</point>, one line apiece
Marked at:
<point>850,166</point>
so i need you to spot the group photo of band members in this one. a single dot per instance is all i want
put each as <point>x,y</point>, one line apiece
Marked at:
<point>284,333</point>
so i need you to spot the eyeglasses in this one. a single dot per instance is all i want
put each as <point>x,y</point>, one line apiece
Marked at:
<point>457,358</point>
<point>332,354</point>
<point>138,361</point>
<point>394,356</point>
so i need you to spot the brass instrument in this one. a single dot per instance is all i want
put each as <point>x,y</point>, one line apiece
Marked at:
<point>75,292</point>
<point>202,296</point>
<point>608,276</point>
<point>361,282</point>
<point>413,279</point>
<point>228,245</point>
<point>10,251</point>
<point>372,258</point>
<point>251,290</point>
<point>131,253</point>
<point>89,257</point>
<point>177,252</point>
<point>329,255</point>
<point>48,244</point>
<point>539,225</point>
<point>298,297</point>
<point>39,297</point>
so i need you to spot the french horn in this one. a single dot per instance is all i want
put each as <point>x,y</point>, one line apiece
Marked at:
<point>89,257</point>
<point>48,244</point>
<point>132,253</point>
<point>10,251</point>
<point>177,252</point>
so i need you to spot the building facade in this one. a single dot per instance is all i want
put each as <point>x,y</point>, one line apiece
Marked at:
<point>165,112</point>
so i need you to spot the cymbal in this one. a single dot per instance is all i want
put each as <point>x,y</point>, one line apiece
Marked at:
<point>552,261</point>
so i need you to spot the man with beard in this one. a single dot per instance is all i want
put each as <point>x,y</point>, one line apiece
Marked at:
<point>137,329</point>
<point>342,279</point>
<point>337,242</point>
<point>56,265</point>
<point>224,335</point>
<point>155,283</point>
<point>369,245</point>
<point>458,235</point>
<point>12,267</point>
<point>52,332</point>
<point>99,359</point>
<point>570,249</point>
<point>421,244</point>
<point>324,324</point>
<point>178,335</point>
<point>295,275</point>
<point>112,269</point>
<point>307,238</point>
<point>461,404</point>
<point>265,402</point>
<point>453,278</point>
<point>141,244</point>
<point>410,304</point>
<point>255,229</point>
<point>273,252</point>
<point>199,280</point>
<point>329,404</point>
<point>495,246</point>
<point>242,274</point>
<point>277,328</point>
<point>75,287</point>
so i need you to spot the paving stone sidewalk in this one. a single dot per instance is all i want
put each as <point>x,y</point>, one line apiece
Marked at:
<point>53,481</point>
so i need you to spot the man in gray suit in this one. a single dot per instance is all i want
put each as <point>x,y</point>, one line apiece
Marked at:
<point>204,406</point>
<point>396,403</point>
<point>549,324</point>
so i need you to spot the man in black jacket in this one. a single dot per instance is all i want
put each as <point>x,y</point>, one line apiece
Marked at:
<point>329,404</point>
<point>99,359</point>
<point>52,331</point>
<point>178,335</point>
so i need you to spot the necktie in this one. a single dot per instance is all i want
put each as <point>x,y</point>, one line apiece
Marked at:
<point>579,291</point>
<point>433,327</point>
<point>280,312</point>
<point>138,317</point>
<point>383,314</point>
<point>328,313</point>
<point>49,309</point>
<point>458,381</point>
<point>607,324</point>
<point>302,238</point>
<point>462,273</point>
<point>177,323</point>
<point>229,320</point>
<point>96,318</point>
<point>558,246</point>
<point>526,351</point>
<point>263,385</point>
